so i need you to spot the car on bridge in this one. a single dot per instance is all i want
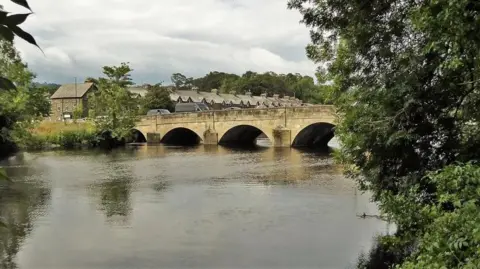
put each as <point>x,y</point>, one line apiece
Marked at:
<point>190,107</point>
<point>157,111</point>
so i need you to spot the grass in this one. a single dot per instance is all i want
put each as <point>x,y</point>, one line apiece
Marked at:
<point>46,128</point>
<point>60,134</point>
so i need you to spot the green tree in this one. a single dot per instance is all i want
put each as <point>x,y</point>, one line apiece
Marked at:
<point>15,109</point>
<point>214,80</point>
<point>157,97</point>
<point>405,82</point>
<point>112,107</point>
<point>78,112</point>
<point>9,28</point>
<point>38,102</point>
<point>118,75</point>
<point>49,88</point>
<point>452,239</point>
<point>181,82</point>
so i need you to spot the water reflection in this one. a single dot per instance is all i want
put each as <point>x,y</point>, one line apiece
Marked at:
<point>201,206</point>
<point>21,202</point>
<point>114,193</point>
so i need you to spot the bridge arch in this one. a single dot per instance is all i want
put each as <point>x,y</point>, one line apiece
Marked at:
<point>243,134</point>
<point>181,136</point>
<point>315,135</point>
<point>138,136</point>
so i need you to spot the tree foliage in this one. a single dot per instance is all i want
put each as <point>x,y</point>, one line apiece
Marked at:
<point>19,105</point>
<point>156,97</point>
<point>405,81</point>
<point>118,75</point>
<point>9,28</point>
<point>112,107</point>
<point>452,238</point>
<point>302,87</point>
<point>181,82</point>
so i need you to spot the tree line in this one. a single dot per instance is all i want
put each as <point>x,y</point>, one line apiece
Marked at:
<point>406,84</point>
<point>301,86</point>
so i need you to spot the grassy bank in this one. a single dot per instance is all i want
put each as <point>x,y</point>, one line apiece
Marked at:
<point>48,135</point>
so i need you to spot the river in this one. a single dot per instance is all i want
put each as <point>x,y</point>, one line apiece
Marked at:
<point>176,207</point>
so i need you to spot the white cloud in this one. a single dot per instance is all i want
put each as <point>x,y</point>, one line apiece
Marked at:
<point>160,37</point>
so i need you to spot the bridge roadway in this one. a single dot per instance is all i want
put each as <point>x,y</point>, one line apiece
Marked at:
<point>310,126</point>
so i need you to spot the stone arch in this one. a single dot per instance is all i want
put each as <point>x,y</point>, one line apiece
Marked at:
<point>242,134</point>
<point>138,136</point>
<point>315,135</point>
<point>181,136</point>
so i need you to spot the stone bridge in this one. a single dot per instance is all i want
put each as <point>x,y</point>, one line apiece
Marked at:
<point>285,127</point>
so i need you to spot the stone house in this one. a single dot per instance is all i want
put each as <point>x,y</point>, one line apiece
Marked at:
<point>66,99</point>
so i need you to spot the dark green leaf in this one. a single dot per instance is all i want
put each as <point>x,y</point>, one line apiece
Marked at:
<point>2,225</point>
<point>3,15</point>
<point>6,33</point>
<point>16,19</point>
<point>3,175</point>
<point>24,35</point>
<point>6,84</point>
<point>22,3</point>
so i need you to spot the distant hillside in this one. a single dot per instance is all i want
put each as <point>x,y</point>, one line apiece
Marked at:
<point>52,87</point>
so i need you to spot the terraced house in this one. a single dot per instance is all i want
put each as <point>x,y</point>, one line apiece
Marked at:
<point>217,101</point>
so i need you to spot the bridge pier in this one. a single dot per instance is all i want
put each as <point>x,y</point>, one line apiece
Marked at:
<point>153,138</point>
<point>210,137</point>
<point>282,137</point>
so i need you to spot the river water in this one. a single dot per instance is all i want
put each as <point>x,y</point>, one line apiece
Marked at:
<point>176,207</point>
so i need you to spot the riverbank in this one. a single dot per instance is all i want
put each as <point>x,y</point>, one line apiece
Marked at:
<point>50,135</point>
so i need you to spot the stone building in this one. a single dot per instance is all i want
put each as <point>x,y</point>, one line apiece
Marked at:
<point>66,99</point>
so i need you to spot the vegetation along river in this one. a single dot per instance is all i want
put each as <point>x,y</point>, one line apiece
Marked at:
<point>177,207</point>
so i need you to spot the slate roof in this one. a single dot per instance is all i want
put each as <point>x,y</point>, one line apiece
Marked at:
<point>194,95</point>
<point>261,100</point>
<point>247,99</point>
<point>210,96</point>
<point>273,101</point>
<point>231,99</point>
<point>174,96</point>
<point>68,90</point>
<point>138,90</point>
<point>234,99</point>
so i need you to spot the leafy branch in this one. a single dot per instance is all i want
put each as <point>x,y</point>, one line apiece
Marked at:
<point>9,28</point>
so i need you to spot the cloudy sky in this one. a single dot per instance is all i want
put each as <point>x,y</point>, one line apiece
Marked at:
<point>161,37</point>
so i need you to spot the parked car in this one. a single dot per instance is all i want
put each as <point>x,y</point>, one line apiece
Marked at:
<point>190,107</point>
<point>157,111</point>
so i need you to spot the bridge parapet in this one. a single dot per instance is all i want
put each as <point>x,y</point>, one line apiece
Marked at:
<point>175,118</point>
<point>281,125</point>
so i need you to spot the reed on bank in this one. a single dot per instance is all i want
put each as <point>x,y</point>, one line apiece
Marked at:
<point>47,135</point>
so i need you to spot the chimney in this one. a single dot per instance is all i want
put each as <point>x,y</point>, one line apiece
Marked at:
<point>233,92</point>
<point>276,96</point>
<point>248,93</point>
<point>215,91</point>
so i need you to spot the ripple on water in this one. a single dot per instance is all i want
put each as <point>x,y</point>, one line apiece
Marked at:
<point>175,207</point>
